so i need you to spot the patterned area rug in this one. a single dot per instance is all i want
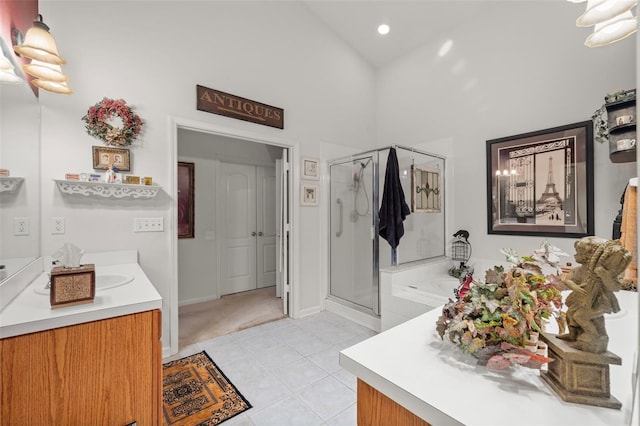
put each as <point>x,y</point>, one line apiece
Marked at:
<point>195,392</point>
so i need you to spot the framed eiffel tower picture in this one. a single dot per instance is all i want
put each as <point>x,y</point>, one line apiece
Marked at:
<point>541,183</point>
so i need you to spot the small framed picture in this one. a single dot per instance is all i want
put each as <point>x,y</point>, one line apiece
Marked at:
<point>186,210</point>
<point>132,180</point>
<point>117,158</point>
<point>308,194</point>
<point>426,190</point>
<point>310,168</point>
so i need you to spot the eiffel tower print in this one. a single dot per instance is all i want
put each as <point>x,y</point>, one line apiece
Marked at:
<point>550,199</point>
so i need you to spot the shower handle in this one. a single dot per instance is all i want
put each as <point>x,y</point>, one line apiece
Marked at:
<point>339,201</point>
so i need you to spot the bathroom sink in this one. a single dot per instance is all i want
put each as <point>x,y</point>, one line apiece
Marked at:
<point>103,282</point>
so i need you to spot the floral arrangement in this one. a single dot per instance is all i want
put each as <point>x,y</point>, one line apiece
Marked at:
<point>100,115</point>
<point>498,319</point>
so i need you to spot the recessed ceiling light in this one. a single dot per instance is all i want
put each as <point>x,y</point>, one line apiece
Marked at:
<point>383,29</point>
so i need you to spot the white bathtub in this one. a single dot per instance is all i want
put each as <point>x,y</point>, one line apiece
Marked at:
<point>432,292</point>
<point>407,291</point>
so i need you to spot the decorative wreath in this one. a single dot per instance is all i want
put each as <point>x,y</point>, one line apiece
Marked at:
<point>97,126</point>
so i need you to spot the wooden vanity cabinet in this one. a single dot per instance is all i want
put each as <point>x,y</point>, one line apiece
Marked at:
<point>106,372</point>
<point>375,408</point>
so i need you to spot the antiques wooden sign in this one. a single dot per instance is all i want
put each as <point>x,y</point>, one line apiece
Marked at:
<point>221,103</point>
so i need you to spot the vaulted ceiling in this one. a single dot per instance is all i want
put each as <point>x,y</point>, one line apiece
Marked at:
<point>413,23</point>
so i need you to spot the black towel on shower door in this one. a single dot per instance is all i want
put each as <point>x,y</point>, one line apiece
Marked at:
<point>394,208</point>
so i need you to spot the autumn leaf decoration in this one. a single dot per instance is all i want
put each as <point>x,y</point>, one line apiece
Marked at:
<point>496,318</point>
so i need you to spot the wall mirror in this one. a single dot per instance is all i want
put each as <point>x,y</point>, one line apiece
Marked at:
<point>20,154</point>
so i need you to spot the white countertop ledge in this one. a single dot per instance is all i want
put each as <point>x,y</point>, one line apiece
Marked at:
<point>439,383</point>
<point>31,312</point>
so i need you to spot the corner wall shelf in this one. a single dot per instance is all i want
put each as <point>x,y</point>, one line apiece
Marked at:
<point>106,190</point>
<point>10,184</point>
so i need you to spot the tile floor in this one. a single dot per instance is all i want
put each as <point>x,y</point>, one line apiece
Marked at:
<point>288,369</point>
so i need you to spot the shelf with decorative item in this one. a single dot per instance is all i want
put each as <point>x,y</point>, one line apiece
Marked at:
<point>620,121</point>
<point>622,127</point>
<point>107,190</point>
<point>10,184</point>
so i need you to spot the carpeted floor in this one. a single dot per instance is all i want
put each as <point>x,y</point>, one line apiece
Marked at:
<point>196,392</point>
<point>234,312</point>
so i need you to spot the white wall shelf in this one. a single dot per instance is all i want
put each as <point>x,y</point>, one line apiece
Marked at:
<point>10,184</point>
<point>106,190</point>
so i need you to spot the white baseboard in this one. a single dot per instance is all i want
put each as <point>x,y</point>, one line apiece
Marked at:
<point>197,300</point>
<point>365,320</point>
<point>309,311</point>
<point>166,351</point>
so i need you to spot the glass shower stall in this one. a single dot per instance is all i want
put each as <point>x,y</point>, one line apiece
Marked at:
<point>356,251</point>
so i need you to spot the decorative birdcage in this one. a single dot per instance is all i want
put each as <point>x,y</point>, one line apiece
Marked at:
<point>461,252</point>
<point>460,247</point>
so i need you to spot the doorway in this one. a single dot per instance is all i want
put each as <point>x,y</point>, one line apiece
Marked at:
<point>271,186</point>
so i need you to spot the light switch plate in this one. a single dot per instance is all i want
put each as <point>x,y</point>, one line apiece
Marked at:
<point>148,224</point>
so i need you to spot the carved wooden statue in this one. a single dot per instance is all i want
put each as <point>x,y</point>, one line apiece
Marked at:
<point>594,283</point>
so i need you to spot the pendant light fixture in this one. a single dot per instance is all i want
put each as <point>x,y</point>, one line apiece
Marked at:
<point>613,30</point>
<point>7,71</point>
<point>599,11</point>
<point>613,20</point>
<point>45,71</point>
<point>40,47</point>
<point>39,44</point>
<point>60,88</point>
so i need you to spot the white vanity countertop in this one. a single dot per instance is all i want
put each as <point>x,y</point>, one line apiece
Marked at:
<point>31,312</point>
<point>436,381</point>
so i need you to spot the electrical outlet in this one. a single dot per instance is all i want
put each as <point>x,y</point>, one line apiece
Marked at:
<point>148,224</point>
<point>20,226</point>
<point>57,225</point>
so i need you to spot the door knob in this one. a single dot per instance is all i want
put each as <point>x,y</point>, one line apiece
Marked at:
<point>253,234</point>
<point>260,234</point>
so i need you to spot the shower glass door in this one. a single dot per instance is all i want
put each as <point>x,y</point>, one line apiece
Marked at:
<point>353,246</point>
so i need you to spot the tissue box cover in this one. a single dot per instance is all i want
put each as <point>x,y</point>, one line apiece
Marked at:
<point>72,286</point>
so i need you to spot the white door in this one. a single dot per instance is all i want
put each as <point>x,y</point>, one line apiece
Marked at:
<point>266,225</point>
<point>284,223</point>
<point>236,223</point>
<point>279,209</point>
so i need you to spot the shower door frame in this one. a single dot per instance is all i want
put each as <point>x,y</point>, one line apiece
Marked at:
<point>375,275</point>
<point>375,155</point>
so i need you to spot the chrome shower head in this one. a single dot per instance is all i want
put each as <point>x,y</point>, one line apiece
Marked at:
<point>364,165</point>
